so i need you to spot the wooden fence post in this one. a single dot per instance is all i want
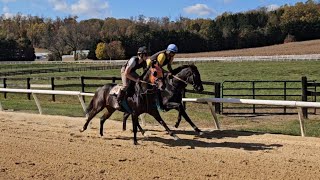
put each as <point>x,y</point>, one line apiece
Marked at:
<point>82,87</point>
<point>217,94</point>
<point>253,96</point>
<point>5,86</point>
<point>285,96</point>
<point>304,96</point>
<point>52,88</point>
<point>28,87</point>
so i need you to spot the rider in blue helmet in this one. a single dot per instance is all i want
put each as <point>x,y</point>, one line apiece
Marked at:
<point>164,57</point>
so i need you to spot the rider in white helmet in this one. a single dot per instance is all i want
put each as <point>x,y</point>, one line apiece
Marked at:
<point>128,71</point>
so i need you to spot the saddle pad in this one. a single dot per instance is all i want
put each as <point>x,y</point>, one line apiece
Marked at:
<point>115,90</point>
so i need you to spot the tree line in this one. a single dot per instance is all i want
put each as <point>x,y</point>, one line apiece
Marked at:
<point>120,38</point>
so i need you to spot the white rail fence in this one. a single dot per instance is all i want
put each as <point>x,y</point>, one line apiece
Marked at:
<point>181,60</point>
<point>298,104</point>
<point>34,93</point>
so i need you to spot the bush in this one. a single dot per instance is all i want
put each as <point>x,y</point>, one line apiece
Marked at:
<point>290,38</point>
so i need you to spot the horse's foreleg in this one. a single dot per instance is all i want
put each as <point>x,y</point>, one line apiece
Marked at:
<point>187,118</point>
<point>157,116</point>
<point>105,116</point>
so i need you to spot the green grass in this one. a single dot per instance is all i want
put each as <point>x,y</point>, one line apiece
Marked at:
<point>217,72</point>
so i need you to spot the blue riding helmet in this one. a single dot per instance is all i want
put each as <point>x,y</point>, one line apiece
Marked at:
<point>172,48</point>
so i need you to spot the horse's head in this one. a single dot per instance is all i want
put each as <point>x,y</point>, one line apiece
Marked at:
<point>156,77</point>
<point>191,75</point>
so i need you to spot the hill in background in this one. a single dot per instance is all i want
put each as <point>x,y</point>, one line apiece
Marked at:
<point>294,48</point>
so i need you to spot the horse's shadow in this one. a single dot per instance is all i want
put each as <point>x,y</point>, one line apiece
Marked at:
<point>219,134</point>
<point>198,143</point>
<point>195,143</point>
<point>216,134</point>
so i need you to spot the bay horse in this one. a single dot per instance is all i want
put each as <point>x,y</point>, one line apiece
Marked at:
<point>139,102</point>
<point>173,93</point>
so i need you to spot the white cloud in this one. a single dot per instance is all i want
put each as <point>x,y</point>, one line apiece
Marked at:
<point>272,7</point>
<point>93,8</point>
<point>198,9</point>
<point>59,5</point>
<point>90,8</point>
<point>6,12</point>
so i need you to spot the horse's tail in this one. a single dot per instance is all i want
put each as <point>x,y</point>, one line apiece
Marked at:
<point>90,107</point>
<point>99,98</point>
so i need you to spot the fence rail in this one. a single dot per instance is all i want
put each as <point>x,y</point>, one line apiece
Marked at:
<point>180,60</point>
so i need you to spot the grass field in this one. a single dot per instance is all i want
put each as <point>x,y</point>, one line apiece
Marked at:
<point>217,72</point>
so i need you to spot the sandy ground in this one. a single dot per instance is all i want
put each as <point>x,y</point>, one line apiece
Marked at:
<point>51,147</point>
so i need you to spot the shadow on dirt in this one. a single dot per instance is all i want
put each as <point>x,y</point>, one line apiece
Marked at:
<point>196,143</point>
<point>220,134</point>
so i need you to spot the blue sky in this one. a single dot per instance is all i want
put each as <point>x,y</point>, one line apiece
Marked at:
<point>86,9</point>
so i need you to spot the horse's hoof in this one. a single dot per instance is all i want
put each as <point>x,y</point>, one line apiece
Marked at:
<point>176,138</point>
<point>101,134</point>
<point>142,132</point>
<point>81,130</point>
<point>176,125</point>
<point>135,143</point>
<point>200,133</point>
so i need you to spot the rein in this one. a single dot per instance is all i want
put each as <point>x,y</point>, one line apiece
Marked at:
<point>181,80</point>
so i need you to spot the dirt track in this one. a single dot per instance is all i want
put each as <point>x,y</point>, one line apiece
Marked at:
<point>51,147</point>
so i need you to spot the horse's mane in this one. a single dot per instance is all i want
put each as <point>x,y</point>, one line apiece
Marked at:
<point>180,68</point>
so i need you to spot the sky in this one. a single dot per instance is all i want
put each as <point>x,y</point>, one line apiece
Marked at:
<point>87,9</point>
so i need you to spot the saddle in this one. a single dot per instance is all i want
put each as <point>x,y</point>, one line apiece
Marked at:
<point>115,90</point>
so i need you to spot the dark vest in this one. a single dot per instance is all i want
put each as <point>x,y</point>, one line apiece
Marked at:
<point>137,66</point>
<point>155,56</point>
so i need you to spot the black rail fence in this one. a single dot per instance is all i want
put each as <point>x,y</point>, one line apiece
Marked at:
<point>271,90</point>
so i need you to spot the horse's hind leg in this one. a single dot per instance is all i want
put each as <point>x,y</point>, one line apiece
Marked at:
<point>124,120</point>
<point>157,116</point>
<point>134,127</point>
<point>91,114</point>
<point>187,118</point>
<point>105,116</point>
<point>124,123</point>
